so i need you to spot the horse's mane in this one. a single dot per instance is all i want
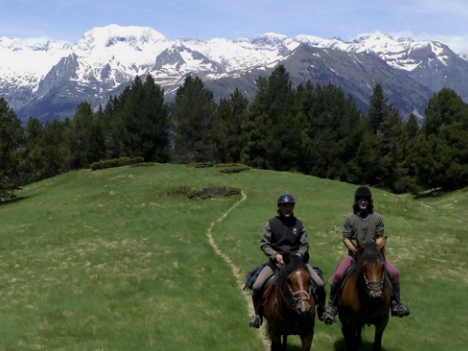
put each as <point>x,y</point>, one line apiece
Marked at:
<point>368,253</point>
<point>295,263</point>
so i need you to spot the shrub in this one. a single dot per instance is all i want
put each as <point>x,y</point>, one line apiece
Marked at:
<point>201,165</point>
<point>115,162</point>
<point>234,169</point>
<point>144,164</point>
<point>205,193</point>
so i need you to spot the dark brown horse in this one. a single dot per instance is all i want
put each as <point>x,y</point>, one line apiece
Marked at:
<point>290,308</point>
<point>366,296</point>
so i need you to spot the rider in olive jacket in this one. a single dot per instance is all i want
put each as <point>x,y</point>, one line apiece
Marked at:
<point>362,225</point>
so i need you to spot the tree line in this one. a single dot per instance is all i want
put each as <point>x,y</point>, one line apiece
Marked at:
<point>311,129</point>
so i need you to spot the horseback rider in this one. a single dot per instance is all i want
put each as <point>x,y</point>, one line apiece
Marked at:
<point>282,234</point>
<point>362,225</point>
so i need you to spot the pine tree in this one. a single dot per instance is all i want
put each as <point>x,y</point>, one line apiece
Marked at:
<point>227,127</point>
<point>192,117</point>
<point>272,131</point>
<point>378,109</point>
<point>334,133</point>
<point>56,147</point>
<point>440,155</point>
<point>11,139</point>
<point>80,136</point>
<point>34,161</point>
<point>254,128</point>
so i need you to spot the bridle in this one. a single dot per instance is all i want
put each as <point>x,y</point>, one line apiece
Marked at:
<point>297,297</point>
<point>374,286</point>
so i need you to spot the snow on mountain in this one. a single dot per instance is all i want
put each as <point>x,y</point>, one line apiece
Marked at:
<point>242,53</point>
<point>115,54</point>
<point>24,64</point>
<point>123,52</point>
<point>107,58</point>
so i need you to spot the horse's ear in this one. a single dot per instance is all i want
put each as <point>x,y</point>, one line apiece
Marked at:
<point>286,258</point>
<point>305,258</point>
<point>382,243</point>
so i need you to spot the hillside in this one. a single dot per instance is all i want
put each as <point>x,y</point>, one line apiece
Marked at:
<point>107,260</point>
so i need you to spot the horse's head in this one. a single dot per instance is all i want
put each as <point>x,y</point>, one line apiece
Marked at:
<point>294,283</point>
<point>370,261</point>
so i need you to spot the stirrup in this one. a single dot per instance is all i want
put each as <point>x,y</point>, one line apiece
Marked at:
<point>255,321</point>
<point>400,310</point>
<point>329,315</point>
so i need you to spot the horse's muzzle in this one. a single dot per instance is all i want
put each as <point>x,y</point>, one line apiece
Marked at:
<point>304,310</point>
<point>376,295</point>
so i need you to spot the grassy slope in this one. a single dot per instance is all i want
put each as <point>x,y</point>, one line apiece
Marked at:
<point>99,261</point>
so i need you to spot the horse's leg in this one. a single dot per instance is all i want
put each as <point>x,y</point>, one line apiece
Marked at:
<point>349,333</point>
<point>359,336</point>
<point>285,342</point>
<point>275,342</point>
<point>307,341</point>
<point>379,330</point>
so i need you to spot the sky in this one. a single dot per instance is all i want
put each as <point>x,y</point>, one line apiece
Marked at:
<point>441,20</point>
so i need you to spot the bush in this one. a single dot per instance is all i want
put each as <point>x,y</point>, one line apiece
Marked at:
<point>115,162</point>
<point>201,165</point>
<point>205,193</point>
<point>237,168</point>
<point>182,190</point>
<point>144,164</point>
<point>224,165</point>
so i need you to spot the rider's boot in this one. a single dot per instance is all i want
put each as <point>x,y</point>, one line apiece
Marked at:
<point>398,308</point>
<point>332,309</point>
<point>322,296</point>
<point>256,319</point>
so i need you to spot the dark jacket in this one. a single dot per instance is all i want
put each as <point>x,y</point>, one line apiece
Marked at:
<point>284,234</point>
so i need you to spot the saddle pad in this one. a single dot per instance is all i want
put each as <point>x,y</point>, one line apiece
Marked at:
<point>267,295</point>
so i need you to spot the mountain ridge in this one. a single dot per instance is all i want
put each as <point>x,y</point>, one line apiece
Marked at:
<point>107,58</point>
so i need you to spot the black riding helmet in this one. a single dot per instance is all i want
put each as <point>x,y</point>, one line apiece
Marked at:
<point>286,199</point>
<point>363,191</point>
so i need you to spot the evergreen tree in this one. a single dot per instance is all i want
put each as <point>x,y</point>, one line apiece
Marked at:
<point>440,156</point>
<point>272,131</point>
<point>80,136</point>
<point>11,139</point>
<point>411,127</point>
<point>56,147</point>
<point>227,127</point>
<point>334,133</point>
<point>34,160</point>
<point>378,109</point>
<point>192,116</point>
<point>96,148</point>
<point>114,126</point>
<point>254,128</point>
<point>406,169</point>
<point>391,138</point>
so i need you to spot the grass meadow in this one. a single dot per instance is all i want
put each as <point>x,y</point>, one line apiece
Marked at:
<point>105,261</point>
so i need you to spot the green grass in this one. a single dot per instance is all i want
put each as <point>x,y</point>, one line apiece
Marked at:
<point>105,261</point>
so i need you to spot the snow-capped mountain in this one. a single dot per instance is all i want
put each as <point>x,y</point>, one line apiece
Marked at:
<point>47,79</point>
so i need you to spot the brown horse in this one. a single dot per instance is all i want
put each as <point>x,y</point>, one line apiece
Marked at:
<point>366,296</point>
<point>290,308</point>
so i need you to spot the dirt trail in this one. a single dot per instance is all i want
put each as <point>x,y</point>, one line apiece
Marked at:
<point>236,271</point>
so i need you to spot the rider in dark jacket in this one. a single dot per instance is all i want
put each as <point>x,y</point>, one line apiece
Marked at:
<point>283,233</point>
